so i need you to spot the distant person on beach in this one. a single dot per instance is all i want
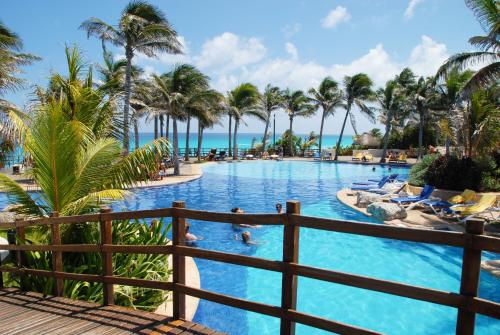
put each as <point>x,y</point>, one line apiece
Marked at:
<point>279,208</point>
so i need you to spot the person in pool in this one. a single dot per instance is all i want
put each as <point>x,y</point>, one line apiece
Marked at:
<point>279,208</point>
<point>190,237</point>
<point>237,210</point>
<point>246,238</point>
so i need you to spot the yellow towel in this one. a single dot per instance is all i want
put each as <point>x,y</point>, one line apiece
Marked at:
<point>466,196</point>
<point>486,201</point>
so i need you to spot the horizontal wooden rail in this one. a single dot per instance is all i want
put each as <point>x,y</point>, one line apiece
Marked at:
<point>243,218</point>
<point>129,249</point>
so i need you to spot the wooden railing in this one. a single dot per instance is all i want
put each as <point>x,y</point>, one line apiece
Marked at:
<point>473,242</point>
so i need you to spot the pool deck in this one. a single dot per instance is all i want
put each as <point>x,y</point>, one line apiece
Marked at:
<point>32,313</point>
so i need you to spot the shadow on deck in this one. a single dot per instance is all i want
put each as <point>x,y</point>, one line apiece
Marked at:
<point>32,313</point>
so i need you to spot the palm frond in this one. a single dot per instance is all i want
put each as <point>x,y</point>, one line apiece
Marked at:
<point>25,203</point>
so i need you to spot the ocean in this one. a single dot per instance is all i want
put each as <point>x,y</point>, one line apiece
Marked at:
<point>220,140</point>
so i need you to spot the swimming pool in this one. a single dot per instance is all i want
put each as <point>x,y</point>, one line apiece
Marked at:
<point>256,187</point>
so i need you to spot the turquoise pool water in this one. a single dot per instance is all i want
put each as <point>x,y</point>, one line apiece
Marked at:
<point>256,187</point>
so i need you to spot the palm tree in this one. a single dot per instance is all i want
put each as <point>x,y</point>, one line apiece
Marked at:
<point>75,169</point>
<point>142,28</point>
<point>327,97</point>
<point>391,100</point>
<point>296,104</point>
<point>175,89</point>
<point>423,95</point>
<point>357,90</point>
<point>269,101</point>
<point>141,103</point>
<point>487,12</point>
<point>11,60</point>
<point>208,116</point>
<point>449,96</point>
<point>243,101</point>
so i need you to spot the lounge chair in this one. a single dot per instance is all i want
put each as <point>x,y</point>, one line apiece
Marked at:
<point>368,157</point>
<point>392,158</point>
<point>317,156</point>
<point>379,185</point>
<point>357,157</point>
<point>221,156</point>
<point>424,195</point>
<point>436,205</point>
<point>401,158</point>
<point>392,178</point>
<point>464,212</point>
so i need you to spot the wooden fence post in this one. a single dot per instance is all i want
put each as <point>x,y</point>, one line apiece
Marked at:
<point>57,265</point>
<point>290,255</point>
<point>179,262</point>
<point>21,236</point>
<point>469,284</point>
<point>107,258</point>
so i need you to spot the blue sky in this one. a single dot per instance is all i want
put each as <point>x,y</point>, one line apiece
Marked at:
<point>285,42</point>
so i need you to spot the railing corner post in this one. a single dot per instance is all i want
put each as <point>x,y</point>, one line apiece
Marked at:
<point>469,283</point>
<point>289,281</point>
<point>179,262</point>
<point>107,258</point>
<point>57,265</point>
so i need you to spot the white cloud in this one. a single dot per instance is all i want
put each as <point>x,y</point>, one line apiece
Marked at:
<point>412,4</point>
<point>292,50</point>
<point>229,51</point>
<point>428,56</point>
<point>336,16</point>
<point>291,29</point>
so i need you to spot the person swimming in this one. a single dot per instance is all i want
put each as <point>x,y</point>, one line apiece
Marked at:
<point>373,168</point>
<point>237,210</point>
<point>279,208</point>
<point>191,237</point>
<point>247,239</point>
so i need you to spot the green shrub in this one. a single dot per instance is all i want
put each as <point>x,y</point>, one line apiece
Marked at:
<point>142,266</point>
<point>409,137</point>
<point>453,173</point>
<point>417,172</point>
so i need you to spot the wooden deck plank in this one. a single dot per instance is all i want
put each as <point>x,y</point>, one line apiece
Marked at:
<point>29,313</point>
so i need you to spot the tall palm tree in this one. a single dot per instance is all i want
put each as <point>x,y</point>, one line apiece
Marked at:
<point>296,104</point>
<point>357,90</point>
<point>487,12</point>
<point>394,102</point>
<point>269,101</point>
<point>242,101</point>
<point>142,28</point>
<point>200,106</point>
<point>141,102</point>
<point>228,110</point>
<point>448,95</point>
<point>208,114</point>
<point>11,61</point>
<point>327,97</point>
<point>423,95</point>
<point>175,89</point>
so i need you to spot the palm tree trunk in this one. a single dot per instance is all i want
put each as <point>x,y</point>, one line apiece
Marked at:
<point>290,147</point>
<point>235,140</point>
<point>188,126</point>
<point>156,127</point>
<point>128,88</point>
<point>200,139</point>
<point>321,131</point>
<point>386,135</point>
<point>230,145</point>
<point>337,149</point>
<point>175,156</point>
<point>420,133</point>
<point>168,126</point>
<point>136,133</point>
<point>264,139</point>
<point>161,125</point>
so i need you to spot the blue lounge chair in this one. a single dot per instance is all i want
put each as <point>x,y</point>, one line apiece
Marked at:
<point>379,185</point>
<point>435,205</point>
<point>424,195</point>
<point>374,182</point>
<point>317,156</point>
